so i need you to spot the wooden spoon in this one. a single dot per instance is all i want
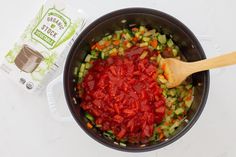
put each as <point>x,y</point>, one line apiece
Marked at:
<point>177,71</point>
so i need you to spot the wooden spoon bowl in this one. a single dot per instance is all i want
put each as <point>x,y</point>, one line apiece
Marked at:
<point>177,71</point>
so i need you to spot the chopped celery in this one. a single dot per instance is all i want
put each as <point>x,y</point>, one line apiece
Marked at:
<point>159,47</point>
<point>162,79</point>
<point>150,48</point>
<point>121,51</point>
<point>159,58</point>
<point>88,58</point>
<point>171,101</point>
<point>172,92</point>
<point>164,93</point>
<point>188,86</point>
<point>175,125</point>
<point>149,33</point>
<point>122,144</point>
<point>102,55</point>
<point>166,132</point>
<point>164,127</point>
<point>106,134</point>
<point>183,94</point>
<point>146,39</point>
<point>101,42</point>
<point>93,53</point>
<point>143,44</point>
<point>170,43</point>
<point>188,103</point>
<point>109,37</point>
<point>143,55</point>
<point>161,39</point>
<point>110,131</point>
<point>114,50</point>
<point>88,65</point>
<point>160,71</point>
<point>173,107</point>
<point>81,74</point>
<point>89,117</point>
<point>179,111</point>
<point>128,36</point>
<point>142,29</point>
<point>98,126</point>
<point>171,130</point>
<point>152,58</point>
<point>118,34</point>
<point>168,118</point>
<point>137,34</point>
<point>82,67</point>
<point>163,86</point>
<point>175,52</point>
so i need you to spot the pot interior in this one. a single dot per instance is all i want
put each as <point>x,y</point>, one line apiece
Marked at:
<point>162,22</point>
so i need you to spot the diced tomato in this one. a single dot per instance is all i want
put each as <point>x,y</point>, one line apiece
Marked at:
<point>118,118</point>
<point>130,125</point>
<point>121,133</point>
<point>122,94</point>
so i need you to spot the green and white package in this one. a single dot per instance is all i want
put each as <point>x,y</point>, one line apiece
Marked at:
<point>40,51</point>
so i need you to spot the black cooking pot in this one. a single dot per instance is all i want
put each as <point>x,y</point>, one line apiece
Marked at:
<point>183,37</point>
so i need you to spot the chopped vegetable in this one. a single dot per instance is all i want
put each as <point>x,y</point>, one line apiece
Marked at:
<point>89,125</point>
<point>89,117</point>
<point>175,52</point>
<point>179,111</point>
<point>82,67</point>
<point>122,76</point>
<point>103,55</point>
<point>143,55</point>
<point>159,47</point>
<point>162,39</point>
<point>143,44</point>
<point>170,43</point>
<point>122,144</point>
<point>88,58</point>
<point>88,65</point>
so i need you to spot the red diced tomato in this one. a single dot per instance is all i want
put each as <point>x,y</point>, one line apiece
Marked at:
<point>123,96</point>
<point>118,119</point>
<point>121,133</point>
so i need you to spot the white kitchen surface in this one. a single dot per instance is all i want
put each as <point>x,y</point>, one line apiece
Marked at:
<point>27,129</point>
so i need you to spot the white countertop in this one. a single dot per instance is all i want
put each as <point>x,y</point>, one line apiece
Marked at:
<point>28,129</point>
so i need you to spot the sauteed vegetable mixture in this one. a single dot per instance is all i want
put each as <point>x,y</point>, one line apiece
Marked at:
<point>122,87</point>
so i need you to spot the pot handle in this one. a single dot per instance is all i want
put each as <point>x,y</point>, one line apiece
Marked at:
<point>55,97</point>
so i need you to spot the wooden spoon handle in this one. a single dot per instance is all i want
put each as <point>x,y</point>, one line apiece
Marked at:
<point>216,62</point>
